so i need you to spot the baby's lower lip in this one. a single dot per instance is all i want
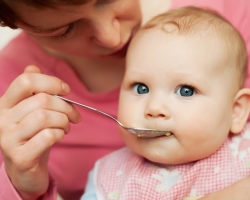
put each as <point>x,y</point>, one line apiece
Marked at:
<point>168,134</point>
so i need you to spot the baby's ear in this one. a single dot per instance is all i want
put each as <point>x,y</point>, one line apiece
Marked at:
<point>241,109</point>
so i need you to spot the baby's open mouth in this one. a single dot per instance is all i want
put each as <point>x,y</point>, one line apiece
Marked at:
<point>153,134</point>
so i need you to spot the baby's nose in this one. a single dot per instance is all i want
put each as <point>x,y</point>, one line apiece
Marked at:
<point>157,111</point>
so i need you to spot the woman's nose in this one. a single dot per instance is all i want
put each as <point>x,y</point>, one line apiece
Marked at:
<point>107,33</point>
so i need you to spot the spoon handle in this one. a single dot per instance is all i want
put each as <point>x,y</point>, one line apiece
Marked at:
<point>88,107</point>
<point>140,132</point>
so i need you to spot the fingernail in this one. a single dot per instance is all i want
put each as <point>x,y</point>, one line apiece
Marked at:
<point>65,87</point>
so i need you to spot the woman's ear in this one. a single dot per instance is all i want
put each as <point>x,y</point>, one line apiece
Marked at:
<point>241,109</point>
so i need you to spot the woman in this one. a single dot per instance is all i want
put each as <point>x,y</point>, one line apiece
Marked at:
<point>80,46</point>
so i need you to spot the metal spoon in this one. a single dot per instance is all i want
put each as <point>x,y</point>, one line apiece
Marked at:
<point>140,132</point>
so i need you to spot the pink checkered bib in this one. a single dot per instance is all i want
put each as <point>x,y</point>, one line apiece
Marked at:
<point>125,176</point>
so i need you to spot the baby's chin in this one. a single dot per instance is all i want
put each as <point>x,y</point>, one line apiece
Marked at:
<point>162,158</point>
<point>162,150</point>
<point>165,158</point>
<point>159,150</point>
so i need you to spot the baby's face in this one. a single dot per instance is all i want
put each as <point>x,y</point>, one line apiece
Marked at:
<point>177,84</point>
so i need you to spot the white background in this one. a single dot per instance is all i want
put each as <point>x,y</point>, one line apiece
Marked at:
<point>6,34</point>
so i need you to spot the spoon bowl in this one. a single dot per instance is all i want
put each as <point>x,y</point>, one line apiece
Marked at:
<point>139,132</point>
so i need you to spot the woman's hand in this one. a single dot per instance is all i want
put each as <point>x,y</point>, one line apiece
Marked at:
<point>31,121</point>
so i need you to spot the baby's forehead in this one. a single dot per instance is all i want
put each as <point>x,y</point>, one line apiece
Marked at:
<point>205,51</point>
<point>170,30</point>
<point>203,40</point>
<point>209,28</point>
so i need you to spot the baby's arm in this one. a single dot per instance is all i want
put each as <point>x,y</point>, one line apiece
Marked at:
<point>239,190</point>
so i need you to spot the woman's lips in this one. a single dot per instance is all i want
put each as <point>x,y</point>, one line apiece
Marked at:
<point>122,52</point>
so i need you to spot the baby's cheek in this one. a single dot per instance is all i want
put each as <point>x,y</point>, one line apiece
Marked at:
<point>127,137</point>
<point>125,117</point>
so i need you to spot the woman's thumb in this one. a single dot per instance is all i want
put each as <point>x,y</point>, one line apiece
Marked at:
<point>32,69</point>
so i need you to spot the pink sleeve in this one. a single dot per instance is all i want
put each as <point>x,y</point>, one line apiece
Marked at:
<point>7,190</point>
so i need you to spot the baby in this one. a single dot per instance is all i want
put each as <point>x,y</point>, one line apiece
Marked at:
<point>185,72</point>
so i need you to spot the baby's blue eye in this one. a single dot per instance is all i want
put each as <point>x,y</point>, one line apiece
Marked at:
<point>141,88</point>
<point>185,91</point>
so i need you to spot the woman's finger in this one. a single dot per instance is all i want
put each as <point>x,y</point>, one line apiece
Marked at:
<point>41,142</point>
<point>36,122</point>
<point>43,101</point>
<point>29,84</point>
<point>32,69</point>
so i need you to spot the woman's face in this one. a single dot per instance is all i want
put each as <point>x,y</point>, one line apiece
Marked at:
<point>98,29</point>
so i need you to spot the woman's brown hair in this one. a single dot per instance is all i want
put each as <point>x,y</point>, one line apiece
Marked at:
<point>9,18</point>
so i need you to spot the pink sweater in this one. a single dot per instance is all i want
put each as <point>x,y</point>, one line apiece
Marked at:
<point>71,160</point>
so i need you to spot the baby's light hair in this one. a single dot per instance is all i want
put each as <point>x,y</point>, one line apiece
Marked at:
<point>190,21</point>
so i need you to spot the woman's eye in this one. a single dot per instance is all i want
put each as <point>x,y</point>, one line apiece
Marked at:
<point>185,91</point>
<point>65,34</point>
<point>141,88</point>
<point>104,1</point>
